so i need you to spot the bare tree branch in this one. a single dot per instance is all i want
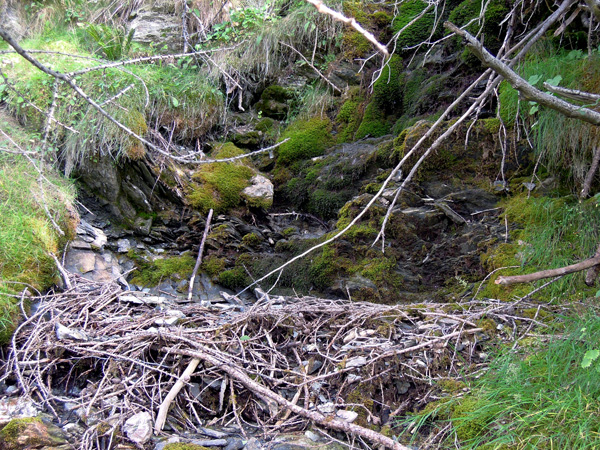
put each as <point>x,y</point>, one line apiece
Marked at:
<point>528,91</point>
<point>586,264</point>
<point>350,21</point>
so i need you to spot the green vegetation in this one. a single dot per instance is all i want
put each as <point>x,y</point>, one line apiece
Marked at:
<point>219,185</point>
<point>385,102</point>
<point>554,232</point>
<point>161,94</point>
<point>535,397</point>
<point>307,139</point>
<point>565,144</point>
<point>469,11</point>
<point>151,272</point>
<point>27,235</point>
<point>349,116</point>
<point>418,31</point>
<point>112,43</point>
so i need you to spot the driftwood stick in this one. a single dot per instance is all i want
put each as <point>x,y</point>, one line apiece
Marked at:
<point>161,417</point>
<point>593,272</point>
<point>589,178</point>
<point>200,252</point>
<point>585,264</point>
<point>264,392</point>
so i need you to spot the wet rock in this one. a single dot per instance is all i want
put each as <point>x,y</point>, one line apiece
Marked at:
<point>345,74</point>
<point>30,433</point>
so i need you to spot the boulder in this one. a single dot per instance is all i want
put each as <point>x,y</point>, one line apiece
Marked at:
<point>260,193</point>
<point>158,24</point>
<point>30,433</point>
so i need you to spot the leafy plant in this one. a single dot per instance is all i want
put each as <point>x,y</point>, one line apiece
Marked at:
<point>113,43</point>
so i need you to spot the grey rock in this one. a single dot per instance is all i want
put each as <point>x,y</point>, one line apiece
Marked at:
<point>138,428</point>
<point>123,245</point>
<point>234,444</point>
<point>156,23</point>
<point>15,408</point>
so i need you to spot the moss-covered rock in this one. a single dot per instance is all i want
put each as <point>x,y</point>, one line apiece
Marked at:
<point>274,102</point>
<point>470,10</point>
<point>184,446</point>
<point>307,139</point>
<point>219,186</point>
<point>349,116</point>
<point>150,273</point>
<point>29,433</point>
<point>354,44</point>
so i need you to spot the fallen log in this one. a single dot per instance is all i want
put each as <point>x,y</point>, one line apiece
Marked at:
<point>583,265</point>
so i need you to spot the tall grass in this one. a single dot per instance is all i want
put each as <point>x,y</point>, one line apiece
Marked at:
<point>556,232</point>
<point>565,144</point>
<point>537,397</point>
<point>27,236</point>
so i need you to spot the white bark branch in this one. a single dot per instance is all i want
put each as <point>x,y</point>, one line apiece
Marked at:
<point>350,21</point>
<point>528,91</point>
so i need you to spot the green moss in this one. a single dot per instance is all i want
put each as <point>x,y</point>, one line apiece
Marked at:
<point>182,446</point>
<point>265,125</point>
<point>418,31</point>
<point>362,395</point>
<point>489,325</point>
<point>386,101</point>
<point>492,125</point>
<point>468,425</point>
<point>213,266</point>
<point>252,240</point>
<point>493,16</point>
<point>307,139</point>
<point>150,273</point>
<point>381,270</point>
<point>354,44</point>
<point>324,268</point>
<point>348,120</point>
<point>277,93</point>
<point>219,185</point>
<point>438,409</point>
<point>450,385</point>
<point>234,278</point>
<point>28,432</point>
<point>374,123</point>
<point>326,203</point>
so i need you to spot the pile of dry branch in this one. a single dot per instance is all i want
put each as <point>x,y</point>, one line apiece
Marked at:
<point>278,364</point>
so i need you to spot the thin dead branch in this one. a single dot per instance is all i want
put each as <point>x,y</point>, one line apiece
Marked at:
<point>200,253</point>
